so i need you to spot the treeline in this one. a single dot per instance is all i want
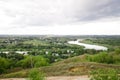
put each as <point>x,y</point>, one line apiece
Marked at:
<point>109,40</point>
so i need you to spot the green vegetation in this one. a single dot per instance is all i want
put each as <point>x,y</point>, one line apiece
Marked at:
<point>36,42</point>
<point>4,63</point>
<point>106,74</point>
<point>33,61</point>
<point>101,58</point>
<point>29,52</point>
<point>55,57</point>
<point>35,74</point>
<point>104,57</point>
<point>75,66</point>
<point>112,42</point>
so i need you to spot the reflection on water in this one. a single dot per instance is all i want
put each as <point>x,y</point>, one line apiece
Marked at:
<point>88,46</point>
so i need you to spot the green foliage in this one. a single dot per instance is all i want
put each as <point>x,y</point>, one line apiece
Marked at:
<point>40,61</point>
<point>14,56</point>
<point>35,74</point>
<point>106,74</point>
<point>33,61</point>
<point>18,74</point>
<point>117,51</point>
<point>36,42</point>
<point>4,64</point>
<point>116,59</point>
<point>106,40</point>
<point>102,57</point>
<point>52,49</point>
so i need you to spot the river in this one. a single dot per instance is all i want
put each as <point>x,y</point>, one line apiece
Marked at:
<point>88,46</point>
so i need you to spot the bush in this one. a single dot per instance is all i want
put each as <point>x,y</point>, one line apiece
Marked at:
<point>33,61</point>
<point>40,61</point>
<point>4,65</point>
<point>117,51</point>
<point>116,59</point>
<point>102,57</point>
<point>35,74</point>
<point>106,74</point>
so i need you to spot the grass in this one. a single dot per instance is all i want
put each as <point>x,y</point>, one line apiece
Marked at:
<point>19,74</point>
<point>106,74</point>
<point>70,67</point>
<point>36,42</point>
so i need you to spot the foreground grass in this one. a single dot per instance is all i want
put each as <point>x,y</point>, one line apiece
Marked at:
<point>75,66</point>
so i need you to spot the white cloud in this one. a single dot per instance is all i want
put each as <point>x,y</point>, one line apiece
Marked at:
<point>59,17</point>
<point>100,27</point>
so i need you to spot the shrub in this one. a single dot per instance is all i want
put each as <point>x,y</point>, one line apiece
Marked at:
<point>40,61</point>
<point>117,51</point>
<point>106,74</point>
<point>33,61</point>
<point>116,59</point>
<point>35,74</point>
<point>102,57</point>
<point>4,65</point>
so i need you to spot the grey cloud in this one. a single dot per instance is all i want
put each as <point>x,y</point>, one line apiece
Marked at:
<point>109,9</point>
<point>48,12</point>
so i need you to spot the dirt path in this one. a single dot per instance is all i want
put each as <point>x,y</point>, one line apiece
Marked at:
<point>57,78</point>
<point>68,78</point>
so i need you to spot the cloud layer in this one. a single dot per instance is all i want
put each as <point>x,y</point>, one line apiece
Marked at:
<point>16,14</point>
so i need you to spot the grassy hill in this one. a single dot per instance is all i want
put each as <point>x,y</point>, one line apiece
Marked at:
<point>69,67</point>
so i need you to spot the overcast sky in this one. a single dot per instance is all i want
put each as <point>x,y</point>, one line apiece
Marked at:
<point>60,17</point>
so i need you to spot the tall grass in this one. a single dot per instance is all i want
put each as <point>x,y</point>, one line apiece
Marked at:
<point>35,74</point>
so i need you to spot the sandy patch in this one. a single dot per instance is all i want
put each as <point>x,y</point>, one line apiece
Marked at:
<point>57,78</point>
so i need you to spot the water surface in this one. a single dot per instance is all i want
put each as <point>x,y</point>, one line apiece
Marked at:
<point>88,46</point>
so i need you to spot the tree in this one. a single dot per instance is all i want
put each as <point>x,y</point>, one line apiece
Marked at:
<point>4,64</point>
<point>33,61</point>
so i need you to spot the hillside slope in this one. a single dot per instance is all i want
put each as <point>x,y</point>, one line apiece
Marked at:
<point>75,66</point>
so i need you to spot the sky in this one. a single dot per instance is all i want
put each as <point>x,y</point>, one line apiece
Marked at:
<point>60,17</point>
